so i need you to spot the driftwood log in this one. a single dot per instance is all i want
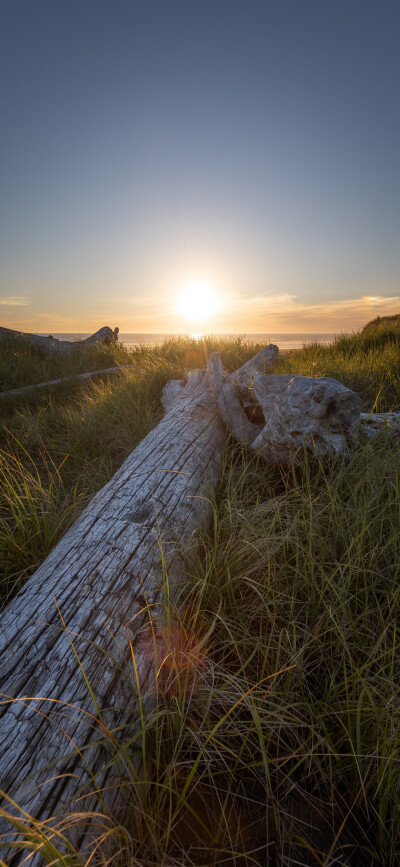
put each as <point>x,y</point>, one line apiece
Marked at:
<point>93,374</point>
<point>97,579</point>
<point>71,624</point>
<point>47,346</point>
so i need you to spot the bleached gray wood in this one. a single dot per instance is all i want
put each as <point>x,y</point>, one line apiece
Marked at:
<point>237,388</point>
<point>319,414</point>
<point>100,575</point>
<point>26,389</point>
<point>278,415</point>
<point>172,392</point>
<point>103,335</point>
<point>374,423</point>
<point>47,346</point>
<point>109,564</point>
<point>260,363</point>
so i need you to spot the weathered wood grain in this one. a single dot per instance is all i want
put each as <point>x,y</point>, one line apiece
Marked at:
<point>238,387</point>
<point>373,423</point>
<point>319,414</point>
<point>279,415</point>
<point>97,578</point>
<point>71,624</point>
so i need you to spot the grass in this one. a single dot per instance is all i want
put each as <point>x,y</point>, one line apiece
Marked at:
<point>21,364</point>
<point>278,739</point>
<point>61,446</point>
<point>365,363</point>
<point>382,325</point>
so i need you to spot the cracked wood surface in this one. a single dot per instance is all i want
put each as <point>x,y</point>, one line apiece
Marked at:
<point>97,578</point>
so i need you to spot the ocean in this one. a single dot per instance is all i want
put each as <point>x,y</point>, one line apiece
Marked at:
<point>283,341</point>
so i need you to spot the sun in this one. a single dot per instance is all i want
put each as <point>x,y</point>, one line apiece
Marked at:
<point>198,301</point>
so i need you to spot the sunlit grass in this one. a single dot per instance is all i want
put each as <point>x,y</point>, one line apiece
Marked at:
<point>368,364</point>
<point>271,721</point>
<point>57,449</point>
<point>22,364</point>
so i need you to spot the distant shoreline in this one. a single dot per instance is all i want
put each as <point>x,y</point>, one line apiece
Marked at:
<point>285,341</point>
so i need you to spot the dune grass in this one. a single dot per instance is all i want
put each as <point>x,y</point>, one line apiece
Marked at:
<point>21,364</point>
<point>364,362</point>
<point>59,447</point>
<point>278,741</point>
<point>382,325</point>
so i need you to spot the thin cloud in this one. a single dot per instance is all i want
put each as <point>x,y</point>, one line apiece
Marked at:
<point>14,301</point>
<point>285,303</point>
<point>263,313</point>
<point>275,301</point>
<point>367,304</point>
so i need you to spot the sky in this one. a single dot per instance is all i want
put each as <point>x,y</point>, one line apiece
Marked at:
<point>171,165</point>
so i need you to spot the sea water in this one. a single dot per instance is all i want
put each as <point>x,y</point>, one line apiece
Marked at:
<point>283,341</point>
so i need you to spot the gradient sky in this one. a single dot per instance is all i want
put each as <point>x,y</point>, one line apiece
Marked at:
<point>252,145</point>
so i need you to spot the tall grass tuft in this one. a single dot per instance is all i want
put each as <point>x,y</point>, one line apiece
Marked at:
<point>22,364</point>
<point>60,447</point>
<point>271,724</point>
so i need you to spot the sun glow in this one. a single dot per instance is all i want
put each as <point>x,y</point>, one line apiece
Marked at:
<point>198,302</point>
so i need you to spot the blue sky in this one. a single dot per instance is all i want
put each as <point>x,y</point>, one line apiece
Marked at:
<point>252,147</point>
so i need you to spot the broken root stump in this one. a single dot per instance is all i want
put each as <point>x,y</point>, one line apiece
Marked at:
<point>321,415</point>
<point>234,391</point>
<point>279,415</point>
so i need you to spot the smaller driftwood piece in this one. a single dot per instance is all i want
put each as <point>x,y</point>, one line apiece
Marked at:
<point>374,423</point>
<point>48,346</point>
<point>52,383</point>
<point>280,415</point>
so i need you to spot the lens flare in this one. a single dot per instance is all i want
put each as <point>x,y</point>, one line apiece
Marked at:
<point>177,658</point>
